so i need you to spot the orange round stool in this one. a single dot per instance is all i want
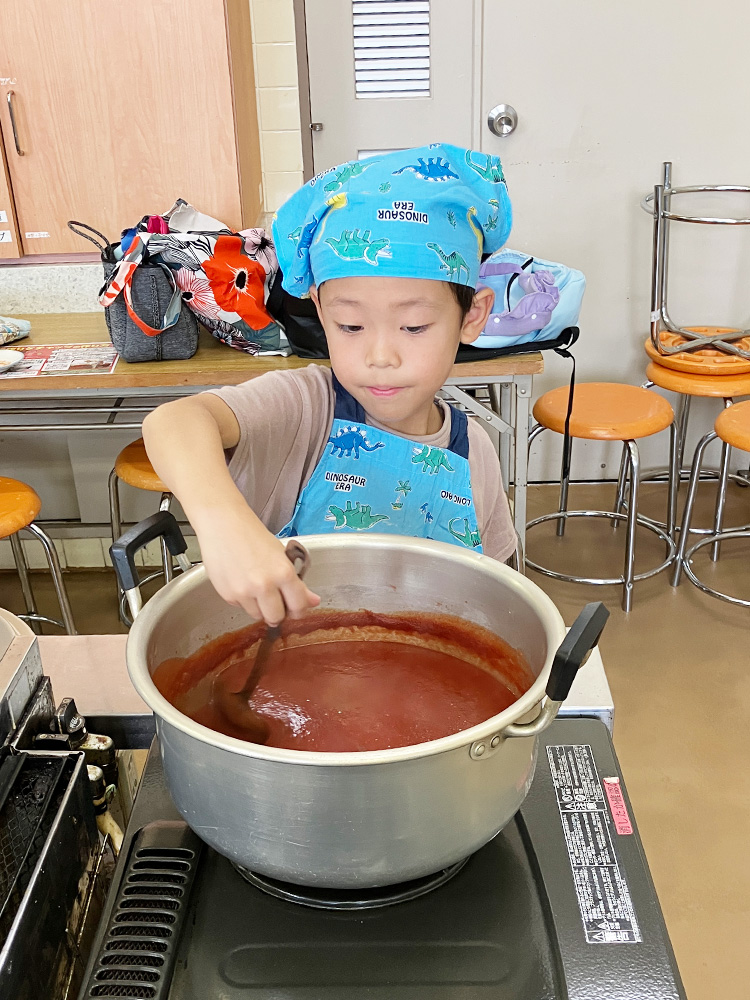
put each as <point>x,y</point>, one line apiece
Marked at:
<point>19,507</point>
<point>608,411</point>
<point>693,384</point>
<point>689,384</point>
<point>132,466</point>
<point>732,427</point>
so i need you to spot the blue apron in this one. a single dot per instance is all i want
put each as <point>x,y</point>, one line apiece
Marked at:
<point>370,480</point>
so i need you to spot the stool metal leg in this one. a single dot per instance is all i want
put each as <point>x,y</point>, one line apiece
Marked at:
<point>683,416</point>
<point>57,577</point>
<point>536,430</point>
<point>166,558</point>
<point>23,575</point>
<point>675,474</point>
<point>629,571</point>
<point>673,483</point>
<point>721,495</point>
<point>115,518</point>
<point>687,514</point>
<point>622,479</point>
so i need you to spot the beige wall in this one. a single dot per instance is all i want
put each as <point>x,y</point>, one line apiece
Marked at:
<point>275,55</point>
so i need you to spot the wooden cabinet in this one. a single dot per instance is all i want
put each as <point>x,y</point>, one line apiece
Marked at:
<point>120,108</point>
<point>8,230</point>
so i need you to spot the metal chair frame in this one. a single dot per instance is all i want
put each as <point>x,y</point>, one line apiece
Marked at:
<point>630,474</point>
<point>684,558</point>
<point>723,475</point>
<point>115,518</point>
<point>32,615</point>
<point>659,205</point>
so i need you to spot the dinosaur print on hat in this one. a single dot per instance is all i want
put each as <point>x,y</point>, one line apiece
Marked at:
<point>452,262</point>
<point>431,212</point>
<point>351,246</point>
<point>346,173</point>
<point>435,170</point>
<point>491,170</point>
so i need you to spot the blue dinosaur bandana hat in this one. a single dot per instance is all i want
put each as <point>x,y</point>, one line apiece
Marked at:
<point>429,212</point>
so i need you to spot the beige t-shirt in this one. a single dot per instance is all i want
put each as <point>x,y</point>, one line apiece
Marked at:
<point>285,420</point>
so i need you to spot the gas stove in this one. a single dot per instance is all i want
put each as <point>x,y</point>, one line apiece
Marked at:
<point>55,870</point>
<point>558,905</point>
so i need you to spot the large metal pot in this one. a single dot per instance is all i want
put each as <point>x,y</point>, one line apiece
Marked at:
<point>345,820</point>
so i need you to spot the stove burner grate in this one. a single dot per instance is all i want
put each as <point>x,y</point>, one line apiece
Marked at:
<point>351,899</point>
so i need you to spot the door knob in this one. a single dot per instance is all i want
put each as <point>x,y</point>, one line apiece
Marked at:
<point>502,120</point>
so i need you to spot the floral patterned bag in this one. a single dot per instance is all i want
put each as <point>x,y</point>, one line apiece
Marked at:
<point>221,275</point>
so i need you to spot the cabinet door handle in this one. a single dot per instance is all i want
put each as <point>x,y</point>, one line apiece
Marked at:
<point>11,94</point>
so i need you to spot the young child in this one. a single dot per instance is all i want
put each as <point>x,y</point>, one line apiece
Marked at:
<point>389,250</point>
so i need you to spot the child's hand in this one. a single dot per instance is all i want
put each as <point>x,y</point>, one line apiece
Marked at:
<point>249,569</point>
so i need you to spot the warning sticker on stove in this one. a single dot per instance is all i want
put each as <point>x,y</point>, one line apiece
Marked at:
<point>603,895</point>
<point>617,804</point>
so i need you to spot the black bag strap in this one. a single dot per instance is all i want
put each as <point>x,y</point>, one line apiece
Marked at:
<point>527,263</point>
<point>105,247</point>
<point>467,352</point>
<point>565,353</point>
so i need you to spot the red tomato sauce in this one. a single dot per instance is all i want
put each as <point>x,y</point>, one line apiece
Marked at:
<point>342,681</point>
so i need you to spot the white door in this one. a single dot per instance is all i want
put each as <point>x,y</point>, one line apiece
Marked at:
<point>604,93</point>
<point>388,74</point>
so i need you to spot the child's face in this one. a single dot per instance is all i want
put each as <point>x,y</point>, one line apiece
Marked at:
<point>393,342</point>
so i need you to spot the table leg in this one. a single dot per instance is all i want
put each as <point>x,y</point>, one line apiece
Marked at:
<point>501,398</point>
<point>522,384</point>
<point>501,401</point>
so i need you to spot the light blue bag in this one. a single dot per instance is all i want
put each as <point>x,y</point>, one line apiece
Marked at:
<point>535,301</point>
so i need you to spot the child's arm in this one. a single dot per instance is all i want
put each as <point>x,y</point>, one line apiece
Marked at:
<point>246,564</point>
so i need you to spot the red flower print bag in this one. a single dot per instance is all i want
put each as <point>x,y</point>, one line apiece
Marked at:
<point>221,275</point>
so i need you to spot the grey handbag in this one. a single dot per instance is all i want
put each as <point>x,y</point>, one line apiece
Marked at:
<point>151,294</point>
<point>154,305</point>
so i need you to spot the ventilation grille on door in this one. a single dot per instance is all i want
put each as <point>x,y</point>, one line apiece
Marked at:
<point>391,48</point>
<point>139,947</point>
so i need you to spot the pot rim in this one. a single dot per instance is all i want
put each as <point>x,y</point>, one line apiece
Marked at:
<point>550,619</point>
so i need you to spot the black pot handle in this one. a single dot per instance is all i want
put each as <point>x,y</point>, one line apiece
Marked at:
<point>164,525</point>
<point>574,650</point>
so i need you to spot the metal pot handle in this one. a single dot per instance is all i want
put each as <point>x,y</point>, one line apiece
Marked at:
<point>164,525</point>
<point>574,650</point>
